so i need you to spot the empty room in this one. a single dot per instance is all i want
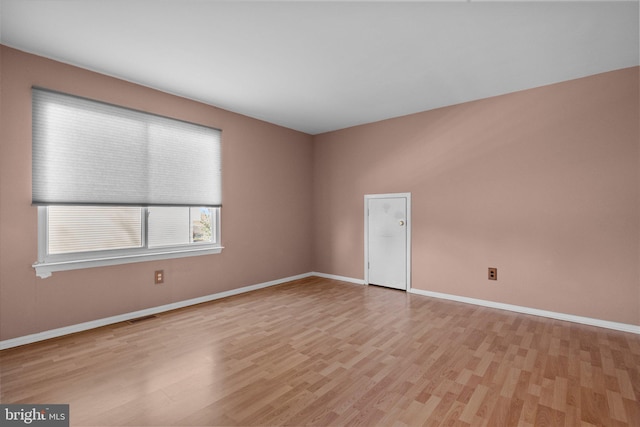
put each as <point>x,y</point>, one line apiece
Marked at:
<point>299,213</point>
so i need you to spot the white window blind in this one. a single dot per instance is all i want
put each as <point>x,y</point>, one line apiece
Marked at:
<point>93,228</point>
<point>91,153</point>
<point>168,226</point>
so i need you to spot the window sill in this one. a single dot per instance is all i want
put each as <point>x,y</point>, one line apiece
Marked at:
<point>45,269</point>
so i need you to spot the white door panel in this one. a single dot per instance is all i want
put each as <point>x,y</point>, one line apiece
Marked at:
<point>387,242</point>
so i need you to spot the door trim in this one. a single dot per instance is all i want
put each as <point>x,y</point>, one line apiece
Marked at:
<point>367,197</point>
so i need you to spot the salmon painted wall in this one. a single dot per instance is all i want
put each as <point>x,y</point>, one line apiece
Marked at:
<point>266,214</point>
<point>542,184</point>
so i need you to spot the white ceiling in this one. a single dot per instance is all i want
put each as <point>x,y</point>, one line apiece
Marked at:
<point>321,66</point>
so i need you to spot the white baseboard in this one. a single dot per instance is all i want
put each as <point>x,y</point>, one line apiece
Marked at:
<point>624,327</point>
<point>341,278</point>
<point>54,333</point>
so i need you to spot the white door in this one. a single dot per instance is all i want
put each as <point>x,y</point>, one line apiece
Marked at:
<point>387,237</point>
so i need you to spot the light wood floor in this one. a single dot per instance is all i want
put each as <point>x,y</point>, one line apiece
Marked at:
<point>326,353</point>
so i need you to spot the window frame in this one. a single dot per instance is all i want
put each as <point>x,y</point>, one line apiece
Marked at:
<point>50,263</point>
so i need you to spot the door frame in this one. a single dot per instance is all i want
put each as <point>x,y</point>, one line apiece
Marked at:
<point>368,197</point>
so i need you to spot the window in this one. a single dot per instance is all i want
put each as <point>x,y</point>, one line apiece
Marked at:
<point>72,237</point>
<point>114,185</point>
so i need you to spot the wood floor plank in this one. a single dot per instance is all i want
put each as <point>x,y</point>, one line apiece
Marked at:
<point>320,352</point>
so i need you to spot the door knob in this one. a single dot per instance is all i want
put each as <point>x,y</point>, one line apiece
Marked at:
<point>401,222</point>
